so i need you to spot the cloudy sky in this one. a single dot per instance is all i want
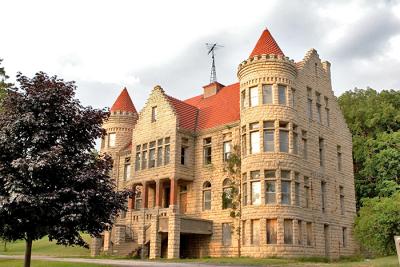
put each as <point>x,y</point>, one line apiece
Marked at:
<point>106,45</point>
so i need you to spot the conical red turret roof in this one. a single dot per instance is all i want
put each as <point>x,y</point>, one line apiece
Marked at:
<point>123,102</point>
<point>266,45</point>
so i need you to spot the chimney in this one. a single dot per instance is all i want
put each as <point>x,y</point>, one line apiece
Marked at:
<point>212,89</point>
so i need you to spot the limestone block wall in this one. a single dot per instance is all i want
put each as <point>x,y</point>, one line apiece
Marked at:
<point>308,79</point>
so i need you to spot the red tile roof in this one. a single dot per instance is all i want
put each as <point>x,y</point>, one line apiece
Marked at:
<point>187,114</point>
<point>219,109</point>
<point>123,102</point>
<point>266,45</point>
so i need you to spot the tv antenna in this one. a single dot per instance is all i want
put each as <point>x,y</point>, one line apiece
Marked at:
<point>211,47</point>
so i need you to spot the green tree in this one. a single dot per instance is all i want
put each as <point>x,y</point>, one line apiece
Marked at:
<point>374,121</point>
<point>233,199</point>
<point>378,222</point>
<point>51,183</point>
<point>3,81</point>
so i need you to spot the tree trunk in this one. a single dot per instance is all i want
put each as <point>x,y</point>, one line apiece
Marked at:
<point>28,252</point>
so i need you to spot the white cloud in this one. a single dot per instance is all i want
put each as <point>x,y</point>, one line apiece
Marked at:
<point>105,45</point>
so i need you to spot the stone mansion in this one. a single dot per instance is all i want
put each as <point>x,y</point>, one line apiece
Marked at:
<point>296,186</point>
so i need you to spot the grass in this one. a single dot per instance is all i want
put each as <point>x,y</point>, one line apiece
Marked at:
<point>390,261</point>
<point>43,247</point>
<point>19,263</point>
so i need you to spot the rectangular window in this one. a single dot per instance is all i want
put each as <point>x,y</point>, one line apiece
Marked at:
<point>323,196</point>
<point>318,105</point>
<point>244,186</point>
<point>269,136</point>
<point>283,141</point>
<point>227,146</point>
<point>304,144</point>
<point>297,188</point>
<point>207,150</point>
<point>166,154</point>
<point>255,188</point>
<point>270,186</point>
<point>309,234</point>
<point>293,97</point>
<point>153,114</point>
<point>127,169</point>
<point>255,232</point>
<point>267,94</point>
<point>207,199</point>
<point>285,192</point>
<point>138,198</point>
<point>341,192</point>
<point>152,155</point>
<point>282,95</point>
<point>339,158</point>
<point>226,234</point>
<point>307,191</point>
<point>243,98</point>
<point>254,142</point>
<point>283,137</point>
<point>344,237</point>
<point>144,156</point>
<point>271,231</point>
<point>309,103</point>
<point>295,140</point>
<point>270,193</point>
<point>112,139</point>
<point>328,122</point>
<point>159,156</point>
<point>244,141</point>
<point>183,155</point>
<point>299,232</point>
<point>321,152</point>
<point>137,158</point>
<point>253,91</point>
<point>288,231</point>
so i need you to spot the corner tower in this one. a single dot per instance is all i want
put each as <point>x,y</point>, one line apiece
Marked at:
<point>269,161</point>
<point>119,126</point>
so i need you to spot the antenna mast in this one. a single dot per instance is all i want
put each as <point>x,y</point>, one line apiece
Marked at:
<point>211,47</point>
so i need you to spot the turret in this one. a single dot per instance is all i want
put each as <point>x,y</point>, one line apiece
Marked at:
<point>119,125</point>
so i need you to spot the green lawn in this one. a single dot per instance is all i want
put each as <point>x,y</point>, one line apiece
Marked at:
<point>19,263</point>
<point>391,261</point>
<point>43,247</point>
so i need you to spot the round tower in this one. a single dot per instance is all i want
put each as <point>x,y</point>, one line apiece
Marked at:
<point>119,125</point>
<point>269,148</point>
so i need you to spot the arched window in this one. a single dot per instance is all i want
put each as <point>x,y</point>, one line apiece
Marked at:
<point>207,196</point>
<point>227,194</point>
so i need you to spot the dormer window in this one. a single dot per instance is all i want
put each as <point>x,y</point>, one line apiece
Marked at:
<point>154,114</point>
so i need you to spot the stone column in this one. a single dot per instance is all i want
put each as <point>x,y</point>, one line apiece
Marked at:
<point>141,232</point>
<point>173,195</point>
<point>145,195</point>
<point>174,234</point>
<point>158,194</point>
<point>155,239</point>
<point>95,246</point>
